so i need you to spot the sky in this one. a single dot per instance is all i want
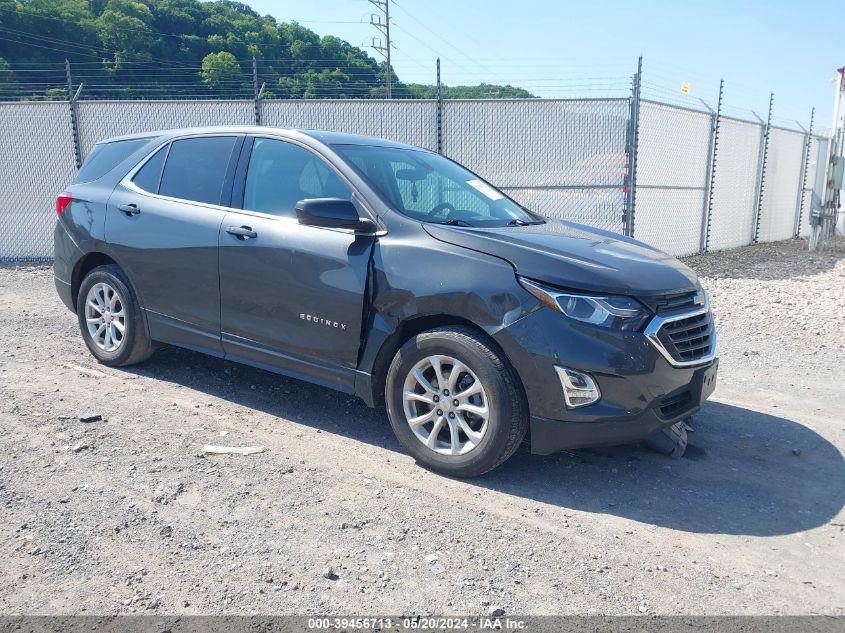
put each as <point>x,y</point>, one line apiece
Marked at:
<point>567,49</point>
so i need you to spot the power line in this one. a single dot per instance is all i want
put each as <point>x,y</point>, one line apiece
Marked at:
<point>436,34</point>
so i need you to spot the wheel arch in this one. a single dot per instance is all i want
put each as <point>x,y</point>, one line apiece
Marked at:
<point>93,260</point>
<point>85,265</point>
<point>405,331</point>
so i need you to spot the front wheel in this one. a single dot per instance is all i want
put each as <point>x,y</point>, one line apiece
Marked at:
<point>110,318</point>
<point>455,403</point>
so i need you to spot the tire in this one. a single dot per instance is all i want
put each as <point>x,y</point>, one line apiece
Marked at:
<point>495,416</point>
<point>107,345</point>
<point>670,441</point>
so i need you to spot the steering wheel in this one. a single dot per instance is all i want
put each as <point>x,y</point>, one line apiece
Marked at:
<point>440,207</point>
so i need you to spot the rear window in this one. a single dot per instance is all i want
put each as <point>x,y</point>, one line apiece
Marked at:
<point>104,156</point>
<point>196,167</point>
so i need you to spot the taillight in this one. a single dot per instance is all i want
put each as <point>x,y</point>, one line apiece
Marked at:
<point>62,200</point>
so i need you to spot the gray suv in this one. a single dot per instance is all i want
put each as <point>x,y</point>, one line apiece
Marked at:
<point>385,271</point>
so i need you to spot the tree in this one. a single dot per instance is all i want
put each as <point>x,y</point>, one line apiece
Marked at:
<point>124,30</point>
<point>6,74</point>
<point>221,72</point>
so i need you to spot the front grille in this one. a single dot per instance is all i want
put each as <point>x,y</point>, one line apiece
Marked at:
<point>674,405</point>
<point>660,304</point>
<point>688,339</point>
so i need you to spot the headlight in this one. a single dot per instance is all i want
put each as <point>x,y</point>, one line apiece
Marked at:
<point>620,313</point>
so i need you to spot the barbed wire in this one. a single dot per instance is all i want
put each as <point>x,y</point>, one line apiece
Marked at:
<point>342,77</point>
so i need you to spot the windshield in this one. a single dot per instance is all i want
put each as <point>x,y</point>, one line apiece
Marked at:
<point>431,188</point>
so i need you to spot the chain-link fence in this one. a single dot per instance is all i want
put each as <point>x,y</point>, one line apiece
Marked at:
<point>735,183</point>
<point>697,179</point>
<point>781,194</point>
<point>407,121</point>
<point>672,162</point>
<point>809,177</point>
<point>104,119</point>
<point>561,158</point>
<point>36,163</point>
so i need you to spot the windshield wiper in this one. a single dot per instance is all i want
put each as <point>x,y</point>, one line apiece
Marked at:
<point>455,222</point>
<point>520,222</point>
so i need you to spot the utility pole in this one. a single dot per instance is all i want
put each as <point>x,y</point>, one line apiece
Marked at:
<point>383,47</point>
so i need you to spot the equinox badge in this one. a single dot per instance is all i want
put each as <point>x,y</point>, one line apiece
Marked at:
<point>321,321</point>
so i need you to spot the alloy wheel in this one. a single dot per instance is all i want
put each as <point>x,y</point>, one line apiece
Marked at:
<point>105,317</point>
<point>445,405</point>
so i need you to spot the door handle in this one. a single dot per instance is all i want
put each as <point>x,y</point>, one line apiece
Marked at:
<point>242,232</point>
<point>129,209</point>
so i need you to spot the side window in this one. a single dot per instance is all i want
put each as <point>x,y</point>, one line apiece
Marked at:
<point>196,168</point>
<point>149,176</point>
<point>280,174</point>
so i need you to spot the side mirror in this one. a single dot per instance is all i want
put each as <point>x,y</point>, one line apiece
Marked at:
<point>334,213</point>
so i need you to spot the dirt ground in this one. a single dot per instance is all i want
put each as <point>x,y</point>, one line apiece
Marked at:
<point>125,514</point>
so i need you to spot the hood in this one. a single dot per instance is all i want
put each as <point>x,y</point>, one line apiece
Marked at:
<point>577,257</point>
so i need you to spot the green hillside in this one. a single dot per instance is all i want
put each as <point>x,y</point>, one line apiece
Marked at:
<point>186,49</point>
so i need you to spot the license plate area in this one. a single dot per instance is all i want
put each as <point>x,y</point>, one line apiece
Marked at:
<point>708,380</point>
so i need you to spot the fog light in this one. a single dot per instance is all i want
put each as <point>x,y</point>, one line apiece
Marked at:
<point>579,389</point>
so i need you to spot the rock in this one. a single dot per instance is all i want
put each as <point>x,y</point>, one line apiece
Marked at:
<point>166,531</point>
<point>495,611</point>
<point>328,574</point>
<point>78,448</point>
<point>430,558</point>
<point>796,451</point>
<point>233,450</point>
<point>90,417</point>
<point>64,500</point>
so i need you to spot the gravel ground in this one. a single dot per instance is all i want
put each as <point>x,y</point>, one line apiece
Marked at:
<point>125,514</point>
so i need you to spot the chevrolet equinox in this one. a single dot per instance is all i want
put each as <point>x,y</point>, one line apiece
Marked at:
<point>385,271</point>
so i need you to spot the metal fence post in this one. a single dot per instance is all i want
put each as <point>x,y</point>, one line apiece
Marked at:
<point>761,186</point>
<point>255,91</point>
<point>439,106</point>
<point>74,122</point>
<point>808,138</point>
<point>632,145</point>
<point>710,179</point>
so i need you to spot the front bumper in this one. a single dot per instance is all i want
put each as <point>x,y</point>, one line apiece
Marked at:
<point>549,436</point>
<point>641,391</point>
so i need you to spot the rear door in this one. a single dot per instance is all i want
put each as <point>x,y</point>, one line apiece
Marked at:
<point>163,223</point>
<point>292,296</point>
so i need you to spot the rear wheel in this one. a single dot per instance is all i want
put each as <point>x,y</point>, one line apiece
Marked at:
<point>455,403</point>
<point>110,318</point>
